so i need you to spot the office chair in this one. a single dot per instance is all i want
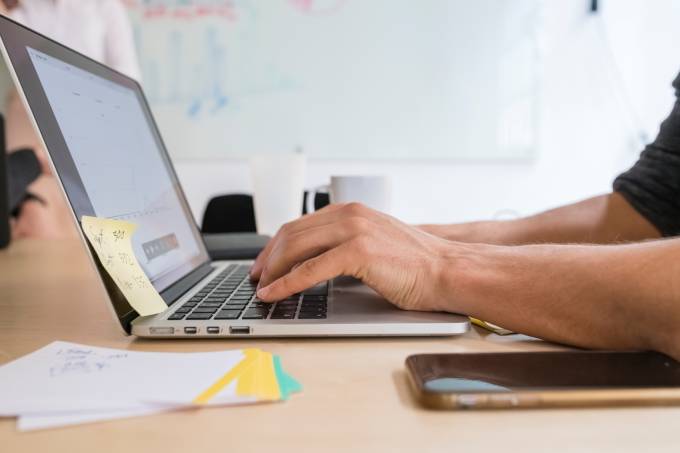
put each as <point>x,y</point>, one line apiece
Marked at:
<point>234,213</point>
<point>17,171</point>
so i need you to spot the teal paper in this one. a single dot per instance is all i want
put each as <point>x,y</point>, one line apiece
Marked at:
<point>287,384</point>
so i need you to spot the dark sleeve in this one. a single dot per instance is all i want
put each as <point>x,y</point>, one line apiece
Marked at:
<point>652,185</point>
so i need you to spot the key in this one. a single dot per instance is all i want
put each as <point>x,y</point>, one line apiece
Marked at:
<point>312,315</point>
<point>286,315</point>
<point>205,310</point>
<point>200,316</point>
<point>228,314</point>
<point>255,313</point>
<point>307,298</point>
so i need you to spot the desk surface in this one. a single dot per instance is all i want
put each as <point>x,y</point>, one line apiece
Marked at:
<point>355,397</point>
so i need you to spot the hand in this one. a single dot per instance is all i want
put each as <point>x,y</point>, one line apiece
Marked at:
<point>402,263</point>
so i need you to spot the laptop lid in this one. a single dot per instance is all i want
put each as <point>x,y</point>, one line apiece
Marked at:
<point>109,156</point>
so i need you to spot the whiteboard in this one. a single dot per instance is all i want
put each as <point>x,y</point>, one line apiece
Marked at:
<point>342,79</point>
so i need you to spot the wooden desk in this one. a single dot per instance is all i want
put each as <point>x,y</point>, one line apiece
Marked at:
<point>355,397</point>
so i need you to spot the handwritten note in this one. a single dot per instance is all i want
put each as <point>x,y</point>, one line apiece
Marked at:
<point>112,241</point>
<point>68,383</point>
<point>76,360</point>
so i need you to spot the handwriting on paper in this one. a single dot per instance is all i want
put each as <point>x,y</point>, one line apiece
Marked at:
<point>70,361</point>
<point>112,241</point>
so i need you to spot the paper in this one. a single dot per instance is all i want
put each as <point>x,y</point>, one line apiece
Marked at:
<point>287,383</point>
<point>65,383</point>
<point>67,376</point>
<point>112,241</point>
<point>54,420</point>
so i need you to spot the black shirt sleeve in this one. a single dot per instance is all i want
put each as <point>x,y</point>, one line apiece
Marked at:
<point>652,185</point>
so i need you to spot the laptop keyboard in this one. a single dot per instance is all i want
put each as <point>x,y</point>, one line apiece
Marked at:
<point>231,295</point>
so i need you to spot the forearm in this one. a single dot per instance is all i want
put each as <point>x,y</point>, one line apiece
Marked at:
<point>600,220</point>
<point>620,297</point>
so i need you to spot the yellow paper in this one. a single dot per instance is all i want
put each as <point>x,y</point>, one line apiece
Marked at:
<point>259,379</point>
<point>255,376</point>
<point>248,361</point>
<point>112,241</point>
<point>268,385</point>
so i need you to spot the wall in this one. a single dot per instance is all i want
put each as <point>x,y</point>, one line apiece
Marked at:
<point>590,119</point>
<point>589,132</point>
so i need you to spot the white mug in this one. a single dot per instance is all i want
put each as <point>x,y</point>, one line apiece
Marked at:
<point>373,191</point>
<point>278,186</point>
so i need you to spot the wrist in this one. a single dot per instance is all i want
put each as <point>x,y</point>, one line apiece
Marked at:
<point>467,275</point>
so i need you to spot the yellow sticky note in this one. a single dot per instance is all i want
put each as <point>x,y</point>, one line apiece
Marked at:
<point>112,241</point>
<point>268,385</point>
<point>255,376</point>
<point>248,361</point>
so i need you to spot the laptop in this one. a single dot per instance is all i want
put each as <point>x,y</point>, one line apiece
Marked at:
<point>109,156</point>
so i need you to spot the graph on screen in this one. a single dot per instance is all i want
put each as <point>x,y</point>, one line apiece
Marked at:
<point>437,79</point>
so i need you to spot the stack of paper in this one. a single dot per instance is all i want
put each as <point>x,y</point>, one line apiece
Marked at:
<point>67,383</point>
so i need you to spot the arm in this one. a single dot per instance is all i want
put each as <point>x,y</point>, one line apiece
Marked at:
<point>645,204</point>
<point>600,220</point>
<point>613,296</point>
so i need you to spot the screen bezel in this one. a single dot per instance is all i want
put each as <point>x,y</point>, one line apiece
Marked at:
<point>15,40</point>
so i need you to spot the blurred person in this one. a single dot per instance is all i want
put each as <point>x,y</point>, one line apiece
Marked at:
<point>99,29</point>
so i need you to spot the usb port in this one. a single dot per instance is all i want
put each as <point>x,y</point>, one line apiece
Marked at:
<point>213,330</point>
<point>191,330</point>
<point>235,330</point>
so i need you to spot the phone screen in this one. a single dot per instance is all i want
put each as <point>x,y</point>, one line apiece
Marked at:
<point>504,372</point>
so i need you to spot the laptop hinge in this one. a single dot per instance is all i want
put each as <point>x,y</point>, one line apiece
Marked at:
<point>178,289</point>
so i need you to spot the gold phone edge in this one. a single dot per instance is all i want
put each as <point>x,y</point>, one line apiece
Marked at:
<point>541,399</point>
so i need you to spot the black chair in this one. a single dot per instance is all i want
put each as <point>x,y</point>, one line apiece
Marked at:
<point>17,171</point>
<point>234,213</point>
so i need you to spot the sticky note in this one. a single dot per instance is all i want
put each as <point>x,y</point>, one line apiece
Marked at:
<point>112,241</point>
<point>259,379</point>
<point>287,383</point>
<point>268,385</point>
<point>235,373</point>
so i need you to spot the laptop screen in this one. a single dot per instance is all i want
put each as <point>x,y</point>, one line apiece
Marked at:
<point>119,163</point>
<point>108,154</point>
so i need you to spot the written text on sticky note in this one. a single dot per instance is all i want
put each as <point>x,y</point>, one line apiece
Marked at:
<point>112,241</point>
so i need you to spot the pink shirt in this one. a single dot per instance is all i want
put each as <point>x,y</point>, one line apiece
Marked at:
<point>99,29</point>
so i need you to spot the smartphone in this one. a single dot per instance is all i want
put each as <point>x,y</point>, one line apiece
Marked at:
<point>544,379</point>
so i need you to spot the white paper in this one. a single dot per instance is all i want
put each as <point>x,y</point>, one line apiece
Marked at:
<point>35,421</point>
<point>55,419</point>
<point>68,378</point>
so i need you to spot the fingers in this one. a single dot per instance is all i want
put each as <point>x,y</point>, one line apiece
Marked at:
<point>301,246</point>
<point>321,217</point>
<point>328,265</point>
